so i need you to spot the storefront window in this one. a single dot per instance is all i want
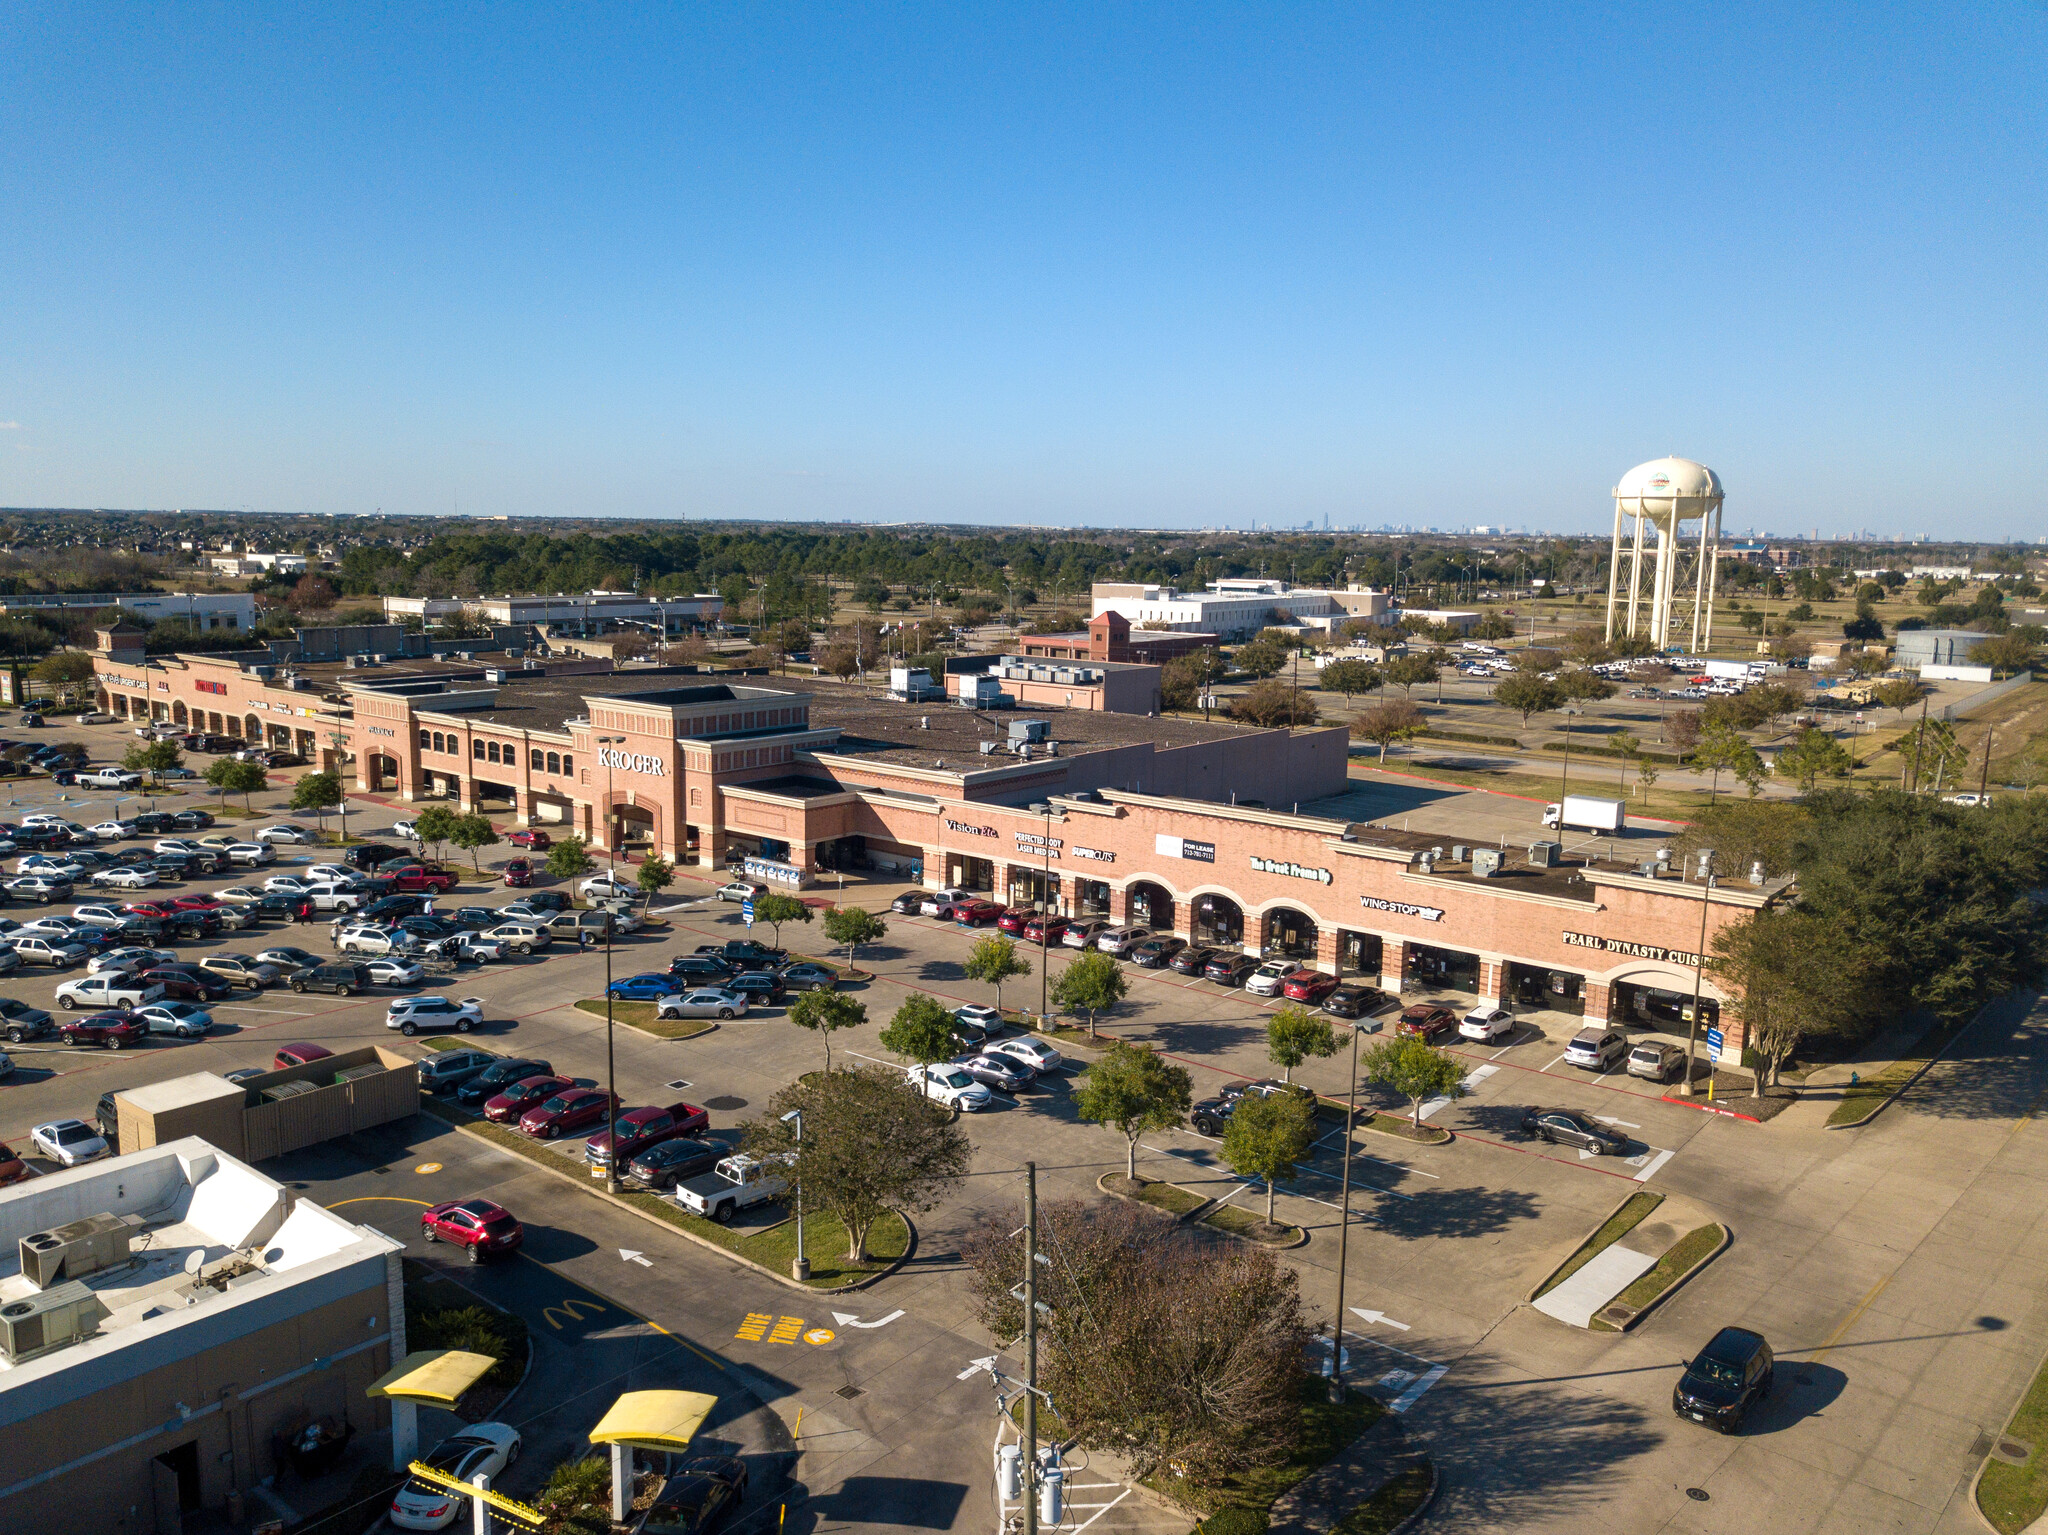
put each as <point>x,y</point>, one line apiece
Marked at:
<point>1290,934</point>
<point>1034,888</point>
<point>1091,898</point>
<point>1218,920</point>
<point>976,874</point>
<point>1150,906</point>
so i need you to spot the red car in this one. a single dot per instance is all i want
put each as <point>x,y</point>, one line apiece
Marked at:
<point>110,1031</point>
<point>160,910</point>
<point>510,1106</point>
<point>642,1128</point>
<point>12,1168</point>
<point>519,873</point>
<point>531,837</point>
<point>180,903</point>
<point>412,878</point>
<point>1428,1020</point>
<point>576,1109</point>
<point>977,913</point>
<point>301,1054</point>
<point>481,1227</point>
<point>1012,921</point>
<point>1045,929</point>
<point>1308,986</point>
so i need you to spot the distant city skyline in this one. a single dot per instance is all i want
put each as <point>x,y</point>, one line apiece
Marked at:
<point>1146,267</point>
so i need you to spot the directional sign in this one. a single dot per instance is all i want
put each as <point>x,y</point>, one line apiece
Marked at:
<point>747,907</point>
<point>1379,1316</point>
<point>1714,1043</point>
<point>848,1319</point>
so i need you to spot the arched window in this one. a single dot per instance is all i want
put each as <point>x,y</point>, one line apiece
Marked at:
<point>426,740</point>
<point>538,760</point>
<point>554,763</point>
<point>476,750</point>
<point>568,763</point>
<point>491,751</point>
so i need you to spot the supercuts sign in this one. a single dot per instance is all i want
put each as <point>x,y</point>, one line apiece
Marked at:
<point>632,762</point>
<point>1632,950</point>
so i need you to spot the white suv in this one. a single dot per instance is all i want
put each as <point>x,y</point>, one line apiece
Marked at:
<point>371,940</point>
<point>1121,940</point>
<point>1267,980</point>
<point>944,1082</point>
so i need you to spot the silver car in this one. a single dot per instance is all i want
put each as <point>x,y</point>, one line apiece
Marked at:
<point>704,1002</point>
<point>1596,1049</point>
<point>1121,940</point>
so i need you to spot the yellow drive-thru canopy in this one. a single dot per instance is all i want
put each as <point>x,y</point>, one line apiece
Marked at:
<point>437,1377</point>
<point>654,1420</point>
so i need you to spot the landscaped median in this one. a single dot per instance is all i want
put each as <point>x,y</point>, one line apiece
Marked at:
<point>770,1249</point>
<point>2012,1487</point>
<point>1397,1125</point>
<point>641,1016</point>
<point>1863,1099</point>
<point>1185,1204</point>
<point>1626,1216</point>
<point>1685,1257</point>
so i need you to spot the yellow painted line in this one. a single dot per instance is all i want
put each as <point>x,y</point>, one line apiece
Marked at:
<point>710,1359</point>
<point>372,1199</point>
<point>1850,1320</point>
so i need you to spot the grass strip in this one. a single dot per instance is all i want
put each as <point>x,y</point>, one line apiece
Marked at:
<point>1385,1509</point>
<point>825,1241</point>
<point>640,1015</point>
<point>1245,1224</point>
<point>1683,1254</point>
<point>1631,1214</point>
<point>1863,1098</point>
<point>1242,1504</point>
<point>1170,1197</point>
<point>2013,1497</point>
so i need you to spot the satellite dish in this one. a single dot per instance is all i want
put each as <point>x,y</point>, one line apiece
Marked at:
<point>195,1260</point>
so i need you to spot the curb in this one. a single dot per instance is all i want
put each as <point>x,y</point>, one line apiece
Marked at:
<point>1102,1183</point>
<point>1711,1108</point>
<point>1543,1284</point>
<point>1985,1465</point>
<point>1727,1237</point>
<point>909,1250</point>
<point>1436,1481</point>
<point>1926,1066</point>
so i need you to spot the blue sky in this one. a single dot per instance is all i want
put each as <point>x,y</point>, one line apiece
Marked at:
<point>1122,265</point>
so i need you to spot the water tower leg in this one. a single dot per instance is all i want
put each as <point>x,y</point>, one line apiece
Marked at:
<point>1614,569</point>
<point>1710,551</point>
<point>1635,572</point>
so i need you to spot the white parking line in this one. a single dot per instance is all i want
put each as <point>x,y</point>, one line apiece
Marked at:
<point>1654,1163</point>
<point>1548,1064</point>
<point>243,1007</point>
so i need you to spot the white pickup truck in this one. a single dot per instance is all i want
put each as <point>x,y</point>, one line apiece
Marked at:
<point>110,778</point>
<point>113,989</point>
<point>736,1184</point>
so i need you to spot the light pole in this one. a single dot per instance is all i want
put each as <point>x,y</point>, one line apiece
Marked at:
<point>1344,1230</point>
<point>1692,1030</point>
<point>801,1268</point>
<point>611,1076</point>
<point>1044,809</point>
<point>611,840</point>
<point>1566,777</point>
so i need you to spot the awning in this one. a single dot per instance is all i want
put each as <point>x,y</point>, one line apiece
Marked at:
<point>437,1377</point>
<point>654,1420</point>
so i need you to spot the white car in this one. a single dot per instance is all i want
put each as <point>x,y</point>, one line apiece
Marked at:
<point>739,890</point>
<point>113,831</point>
<point>217,841</point>
<point>1486,1024</point>
<point>602,885</point>
<point>181,1020</point>
<point>339,873</point>
<point>70,1142</point>
<point>36,949</point>
<point>134,960</point>
<point>482,1449</point>
<point>1121,940</point>
<point>249,855</point>
<point>125,877</point>
<point>115,988</point>
<point>240,895</point>
<point>480,950</point>
<point>100,916</point>
<point>1596,1049</point>
<point>943,1082</point>
<point>287,884</point>
<point>1079,935</point>
<point>96,719</point>
<point>368,940</point>
<point>1035,1053</point>
<point>178,845</point>
<point>704,1002</point>
<point>332,895</point>
<point>1267,980</point>
<point>405,831</point>
<point>395,972</point>
<point>978,1021</point>
<point>409,1015</point>
<point>43,818</point>
<point>284,832</point>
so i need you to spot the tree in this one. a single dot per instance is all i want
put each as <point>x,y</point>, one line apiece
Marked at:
<point>1930,753</point>
<point>1387,722</point>
<point>1492,626</point>
<point>1865,626</point>
<point>310,595</point>
<point>1273,703</point>
<point>854,926</point>
<point>1163,1349</point>
<point>1900,694</point>
<point>64,669</point>
<point>1182,680</point>
<point>1582,686</point>
<point>823,1012</point>
<point>654,876</point>
<point>473,833</point>
<point>319,793</point>
<point>1092,984</point>
<point>229,776</point>
<point>994,960</point>
<point>871,1144</point>
<point>922,1030</point>
<point>155,758</point>
<point>1261,658</point>
<point>1722,749</point>
<point>1406,672</point>
<point>436,824</point>
<point>1349,678</point>
<point>775,909</point>
<point>1415,1069</point>
<point>1684,727</point>
<point>1812,754</point>
<point>1294,1034</point>
<point>1137,1091</point>
<point>1789,976</point>
<point>840,661</point>
<point>568,859</point>
<point>1527,693</point>
<point>1268,1138</point>
<point>2010,652</point>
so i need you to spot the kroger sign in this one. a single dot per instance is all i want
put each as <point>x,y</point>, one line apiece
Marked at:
<point>631,763</point>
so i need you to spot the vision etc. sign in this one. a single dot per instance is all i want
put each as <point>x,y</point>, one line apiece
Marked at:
<point>632,762</point>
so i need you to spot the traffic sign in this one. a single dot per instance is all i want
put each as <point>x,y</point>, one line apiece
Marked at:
<point>1714,1043</point>
<point>747,907</point>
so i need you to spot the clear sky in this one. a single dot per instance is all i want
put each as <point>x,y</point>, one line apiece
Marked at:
<point>1121,265</point>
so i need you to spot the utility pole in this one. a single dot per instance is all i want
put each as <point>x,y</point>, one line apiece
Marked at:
<point>1030,1348</point>
<point>1984,784</point>
<point>1344,1226</point>
<point>1692,1030</point>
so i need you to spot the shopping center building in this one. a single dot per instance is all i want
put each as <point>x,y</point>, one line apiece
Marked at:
<point>1223,834</point>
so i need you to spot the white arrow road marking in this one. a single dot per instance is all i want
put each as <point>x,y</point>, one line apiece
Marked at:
<point>632,1257</point>
<point>1379,1316</point>
<point>976,1366</point>
<point>1655,1162</point>
<point>848,1319</point>
<point>1588,1154</point>
<point>1621,1123</point>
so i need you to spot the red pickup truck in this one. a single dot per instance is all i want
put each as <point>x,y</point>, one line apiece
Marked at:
<point>415,878</point>
<point>641,1128</point>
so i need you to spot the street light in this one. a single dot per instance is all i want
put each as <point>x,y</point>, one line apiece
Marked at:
<point>1344,1229</point>
<point>801,1268</point>
<point>611,840</point>
<point>1692,1030</point>
<point>1044,810</point>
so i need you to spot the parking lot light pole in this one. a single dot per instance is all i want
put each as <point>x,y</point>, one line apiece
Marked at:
<point>611,838</point>
<point>611,1076</point>
<point>1044,809</point>
<point>801,1268</point>
<point>1692,1030</point>
<point>1344,1227</point>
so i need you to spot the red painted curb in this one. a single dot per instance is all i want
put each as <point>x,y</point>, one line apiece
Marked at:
<point>1713,1108</point>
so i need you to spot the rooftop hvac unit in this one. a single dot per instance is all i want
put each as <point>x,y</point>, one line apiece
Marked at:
<point>1460,852</point>
<point>1485,862</point>
<point>1052,748</point>
<point>1546,855</point>
<point>1029,730</point>
<point>465,655</point>
<point>77,1248</point>
<point>987,747</point>
<point>379,658</point>
<point>49,1320</point>
<point>262,673</point>
<point>494,674</point>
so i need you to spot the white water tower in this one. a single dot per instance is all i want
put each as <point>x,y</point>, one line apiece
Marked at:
<point>1659,498</point>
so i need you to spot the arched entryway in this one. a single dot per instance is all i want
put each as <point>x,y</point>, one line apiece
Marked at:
<point>178,714</point>
<point>1289,934</point>
<point>635,826</point>
<point>252,728</point>
<point>1217,919</point>
<point>381,772</point>
<point>1149,905</point>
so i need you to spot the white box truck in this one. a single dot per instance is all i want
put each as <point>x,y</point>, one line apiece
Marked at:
<point>1585,813</point>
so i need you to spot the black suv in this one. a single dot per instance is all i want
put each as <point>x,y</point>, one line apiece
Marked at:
<point>498,1076</point>
<point>370,854</point>
<point>342,980</point>
<point>1229,969</point>
<point>1726,1378</point>
<point>154,823</point>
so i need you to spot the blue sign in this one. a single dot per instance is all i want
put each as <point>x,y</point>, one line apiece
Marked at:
<point>747,907</point>
<point>1714,1043</point>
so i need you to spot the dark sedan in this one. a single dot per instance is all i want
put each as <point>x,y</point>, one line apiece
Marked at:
<point>577,1109</point>
<point>1192,960</point>
<point>498,1076</point>
<point>1570,1127</point>
<point>907,904</point>
<point>1003,1072</point>
<point>1229,969</point>
<point>663,1166</point>
<point>809,977</point>
<point>1428,1021</point>
<point>1354,1001</point>
<point>702,1496</point>
<point>510,1106</point>
<point>1155,952</point>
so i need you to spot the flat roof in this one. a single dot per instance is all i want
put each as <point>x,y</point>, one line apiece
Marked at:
<point>178,1092</point>
<point>534,701</point>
